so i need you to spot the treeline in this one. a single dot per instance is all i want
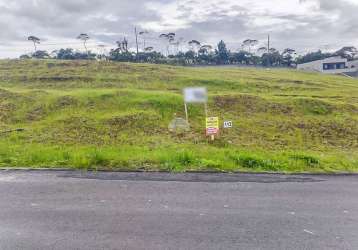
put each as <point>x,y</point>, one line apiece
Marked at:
<point>198,55</point>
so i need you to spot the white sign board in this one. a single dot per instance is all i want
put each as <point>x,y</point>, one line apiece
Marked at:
<point>195,95</point>
<point>228,124</point>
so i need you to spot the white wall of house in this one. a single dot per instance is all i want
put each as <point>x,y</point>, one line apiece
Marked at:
<point>332,65</point>
<point>311,66</point>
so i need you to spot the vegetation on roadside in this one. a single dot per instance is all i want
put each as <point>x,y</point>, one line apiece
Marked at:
<point>115,116</point>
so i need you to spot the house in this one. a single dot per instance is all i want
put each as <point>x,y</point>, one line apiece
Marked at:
<point>331,65</point>
<point>353,64</point>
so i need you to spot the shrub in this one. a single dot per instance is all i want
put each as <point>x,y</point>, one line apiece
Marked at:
<point>308,160</point>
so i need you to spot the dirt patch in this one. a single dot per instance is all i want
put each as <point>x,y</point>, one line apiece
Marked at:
<point>6,110</point>
<point>65,101</point>
<point>342,134</point>
<point>7,95</point>
<point>351,108</point>
<point>60,65</point>
<point>64,78</point>
<point>279,108</point>
<point>74,130</point>
<point>251,104</point>
<point>313,106</point>
<point>37,113</point>
<point>248,102</point>
<point>37,93</point>
<point>147,123</point>
<point>301,82</point>
<point>125,68</point>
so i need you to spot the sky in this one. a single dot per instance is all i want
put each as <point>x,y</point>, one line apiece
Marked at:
<point>304,25</point>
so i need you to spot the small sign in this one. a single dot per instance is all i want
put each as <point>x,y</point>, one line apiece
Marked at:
<point>212,125</point>
<point>195,95</point>
<point>228,124</point>
<point>179,125</point>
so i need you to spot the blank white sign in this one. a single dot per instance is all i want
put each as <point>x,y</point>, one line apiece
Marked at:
<point>195,95</point>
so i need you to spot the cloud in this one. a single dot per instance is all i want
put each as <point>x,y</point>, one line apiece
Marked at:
<point>301,24</point>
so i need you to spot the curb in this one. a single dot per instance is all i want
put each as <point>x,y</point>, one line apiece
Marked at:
<point>167,172</point>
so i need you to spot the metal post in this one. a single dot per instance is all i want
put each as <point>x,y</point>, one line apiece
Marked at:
<point>186,113</point>
<point>206,109</point>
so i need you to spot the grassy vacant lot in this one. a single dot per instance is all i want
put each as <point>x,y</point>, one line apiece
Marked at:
<point>95,115</point>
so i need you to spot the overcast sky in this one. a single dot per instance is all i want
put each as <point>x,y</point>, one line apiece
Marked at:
<point>301,24</point>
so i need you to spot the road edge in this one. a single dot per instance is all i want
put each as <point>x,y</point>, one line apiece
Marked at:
<point>168,172</point>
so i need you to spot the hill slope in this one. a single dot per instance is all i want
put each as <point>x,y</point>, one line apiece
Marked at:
<point>115,116</point>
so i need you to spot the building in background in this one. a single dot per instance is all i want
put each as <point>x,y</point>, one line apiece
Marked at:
<point>331,65</point>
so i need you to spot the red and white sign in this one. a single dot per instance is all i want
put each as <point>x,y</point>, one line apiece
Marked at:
<point>212,131</point>
<point>212,126</point>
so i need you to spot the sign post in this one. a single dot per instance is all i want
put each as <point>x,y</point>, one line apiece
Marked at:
<point>186,113</point>
<point>212,127</point>
<point>195,95</point>
<point>200,95</point>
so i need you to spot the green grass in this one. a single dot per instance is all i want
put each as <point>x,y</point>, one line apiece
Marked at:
<point>115,116</point>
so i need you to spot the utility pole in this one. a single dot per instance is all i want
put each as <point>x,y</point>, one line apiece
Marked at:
<point>268,51</point>
<point>136,40</point>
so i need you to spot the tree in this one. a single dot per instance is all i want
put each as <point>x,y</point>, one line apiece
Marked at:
<point>205,49</point>
<point>170,38</point>
<point>189,57</point>
<point>262,50</point>
<point>40,54</point>
<point>272,58</point>
<point>222,53</point>
<point>175,44</point>
<point>194,45</point>
<point>148,49</point>
<point>313,56</point>
<point>123,45</point>
<point>102,52</point>
<point>84,37</point>
<point>241,57</point>
<point>35,41</point>
<point>122,54</point>
<point>180,41</point>
<point>69,54</point>
<point>205,54</point>
<point>65,54</point>
<point>348,52</point>
<point>24,57</point>
<point>143,34</point>
<point>250,43</point>
<point>288,56</point>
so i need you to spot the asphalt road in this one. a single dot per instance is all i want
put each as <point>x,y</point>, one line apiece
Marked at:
<point>74,210</point>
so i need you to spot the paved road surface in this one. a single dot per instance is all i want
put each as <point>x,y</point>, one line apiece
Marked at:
<point>74,210</point>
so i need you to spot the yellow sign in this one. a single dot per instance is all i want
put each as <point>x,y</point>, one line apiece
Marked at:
<point>212,125</point>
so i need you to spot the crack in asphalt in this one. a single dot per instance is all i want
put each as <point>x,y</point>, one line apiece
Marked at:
<point>191,177</point>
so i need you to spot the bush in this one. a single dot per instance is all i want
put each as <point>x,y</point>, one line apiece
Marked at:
<point>254,162</point>
<point>308,160</point>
